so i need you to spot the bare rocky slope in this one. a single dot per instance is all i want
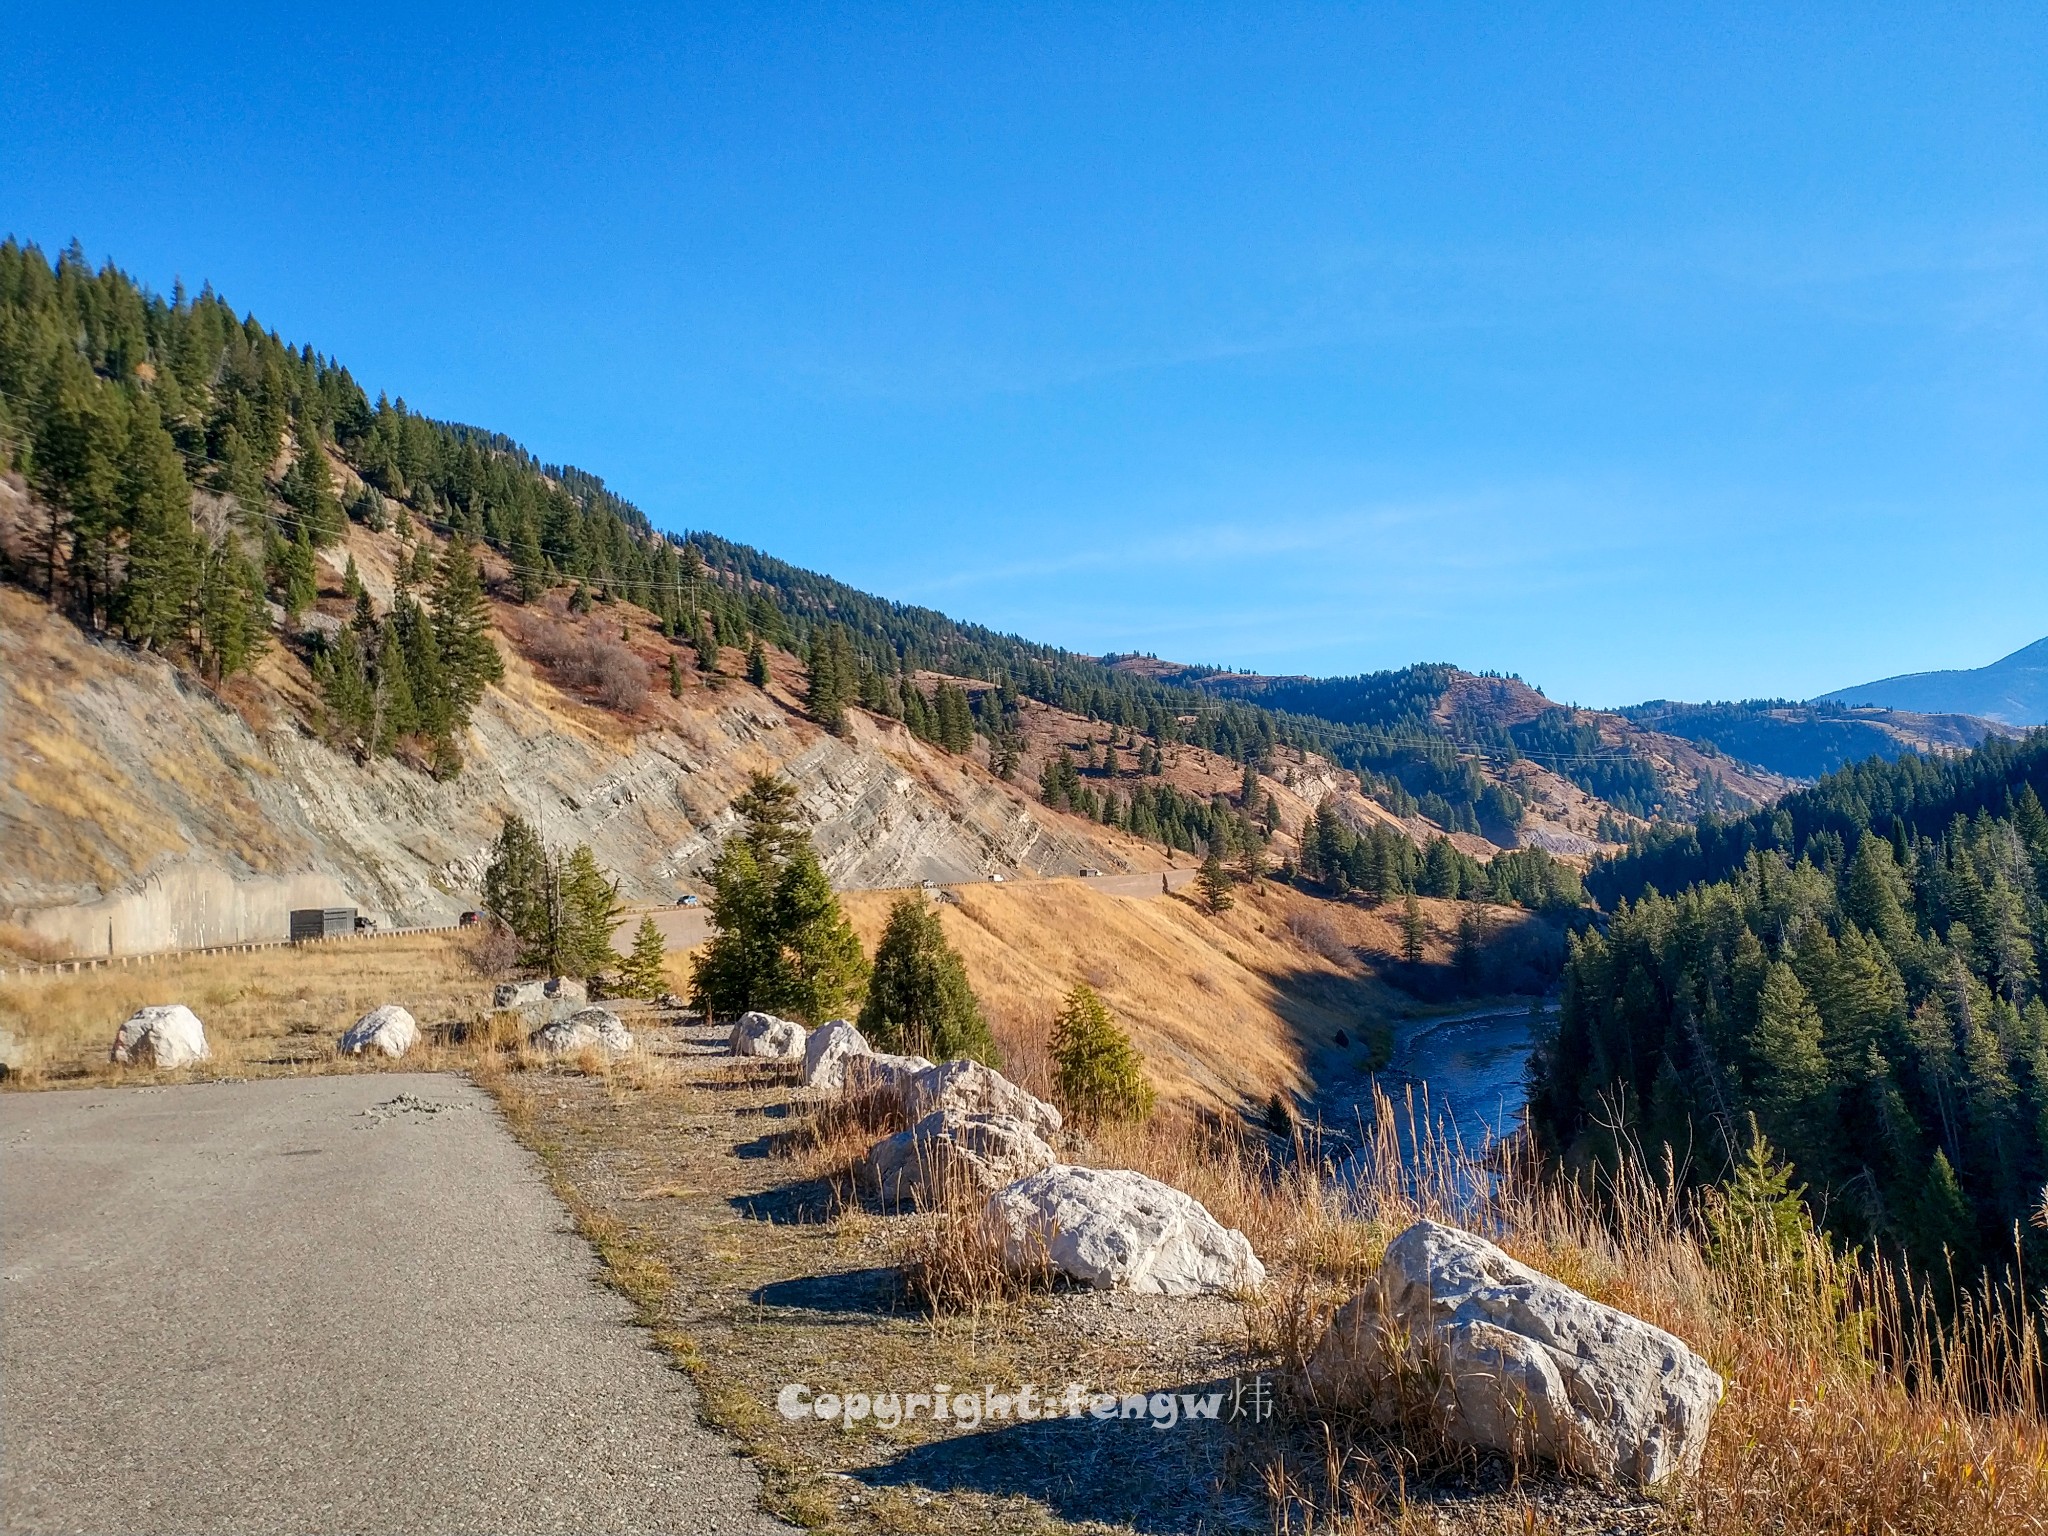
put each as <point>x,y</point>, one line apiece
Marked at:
<point>142,812</point>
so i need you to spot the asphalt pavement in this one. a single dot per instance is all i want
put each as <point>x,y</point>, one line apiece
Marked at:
<point>322,1304</point>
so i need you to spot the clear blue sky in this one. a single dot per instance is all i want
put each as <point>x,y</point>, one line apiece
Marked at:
<point>1648,350</point>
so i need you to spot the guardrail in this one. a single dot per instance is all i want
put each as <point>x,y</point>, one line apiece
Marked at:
<point>159,956</point>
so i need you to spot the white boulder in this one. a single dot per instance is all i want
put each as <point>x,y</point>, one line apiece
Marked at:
<point>763,1034</point>
<point>879,1075</point>
<point>1503,1357</point>
<point>1113,1229</point>
<point>565,990</point>
<point>950,1151</point>
<point>973,1089</point>
<point>582,1029</point>
<point>825,1053</point>
<point>162,1035</point>
<point>389,1029</point>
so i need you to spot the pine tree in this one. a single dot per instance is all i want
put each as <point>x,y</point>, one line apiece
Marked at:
<point>919,999</point>
<point>308,489</point>
<point>822,971</point>
<point>160,593</point>
<point>829,685</point>
<point>1413,930</point>
<point>292,572</point>
<point>529,576</point>
<point>675,677</point>
<point>1787,1068</point>
<point>590,912</point>
<point>519,891</point>
<point>645,972</point>
<point>233,628</point>
<point>757,663</point>
<point>1097,1072</point>
<point>468,657</point>
<point>1213,881</point>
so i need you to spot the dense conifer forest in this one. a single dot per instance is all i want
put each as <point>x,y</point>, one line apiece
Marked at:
<point>1859,969</point>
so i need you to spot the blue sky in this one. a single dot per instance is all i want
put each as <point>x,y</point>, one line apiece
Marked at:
<point>1680,351</point>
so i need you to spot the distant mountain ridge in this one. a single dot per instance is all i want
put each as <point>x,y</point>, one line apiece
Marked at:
<point>2012,690</point>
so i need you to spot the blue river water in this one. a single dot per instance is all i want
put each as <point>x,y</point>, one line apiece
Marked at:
<point>1472,1068</point>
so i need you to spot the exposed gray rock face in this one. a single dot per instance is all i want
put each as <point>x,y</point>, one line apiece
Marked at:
<point>826,1051</point>
<point>540,994</point>
<point>162,1035</point>
<point>763,1034</point>
<point>389,1030</point>
<point>586,1027</point>
<point>973,1089</point>
<point>1113,1229</point>
<point>949,1152</point>
<point>1506,1358</point>
<point>252,825</point>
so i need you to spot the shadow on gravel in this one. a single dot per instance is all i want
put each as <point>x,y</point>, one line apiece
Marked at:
<point>807,1202</point>
<point>1116,1471</point>
<point>855,1293</point>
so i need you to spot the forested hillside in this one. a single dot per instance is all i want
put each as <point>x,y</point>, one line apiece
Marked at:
<point>1859,968</point>
<point>188,465</point>
<point>1805,741</point>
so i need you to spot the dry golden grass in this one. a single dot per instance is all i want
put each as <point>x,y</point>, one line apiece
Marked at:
<point>282,1010</point>
<point>1225,1009</point>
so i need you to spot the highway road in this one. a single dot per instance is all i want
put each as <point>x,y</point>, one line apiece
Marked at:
<point>322,1304</point>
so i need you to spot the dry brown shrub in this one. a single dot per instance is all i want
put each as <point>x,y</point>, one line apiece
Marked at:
<point>590,659</point>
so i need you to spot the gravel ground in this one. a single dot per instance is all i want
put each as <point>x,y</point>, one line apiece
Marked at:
<point>323,1304</point>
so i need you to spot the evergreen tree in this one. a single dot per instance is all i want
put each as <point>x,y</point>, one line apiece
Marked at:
<point>781,942</point>
<point>233,628</point>
<point>521,890</point>
<point>590,912</point>
<point>757,663</point>
<point>830,686</point>
<point>675,677</point>
<point>529,562</point>
<point>645,973</point>
<point>467,656</point>
<point>1213,881</point>
<point>308,489</point>
<point>1787,1068</point>
<point>160,593</point>
<point>1097,1072</point>
<point>822,971</point>
<point>292,572</point>
<point>918,999</point>
<point>1413,930</point>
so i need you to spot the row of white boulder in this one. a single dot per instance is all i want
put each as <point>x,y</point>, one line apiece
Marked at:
<point>972,1128</point>
<point>170,1035</point>
<point>1451,1329</point>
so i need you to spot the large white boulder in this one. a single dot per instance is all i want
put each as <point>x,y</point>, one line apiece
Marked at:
<point>948,1151</point>
<point>826,1051</point>
<point>565,990</point>
<point>582,1029</point>
<point>763,1034</point>
<point>1113,1229</point>
<point>162,1035</point>
<point>973,1089</point>
<point>878,1075</point>
<point>389,1029</point>
<point>1503,1357</point>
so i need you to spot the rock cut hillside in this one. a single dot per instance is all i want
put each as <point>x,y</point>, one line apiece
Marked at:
<point>143,810</point>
